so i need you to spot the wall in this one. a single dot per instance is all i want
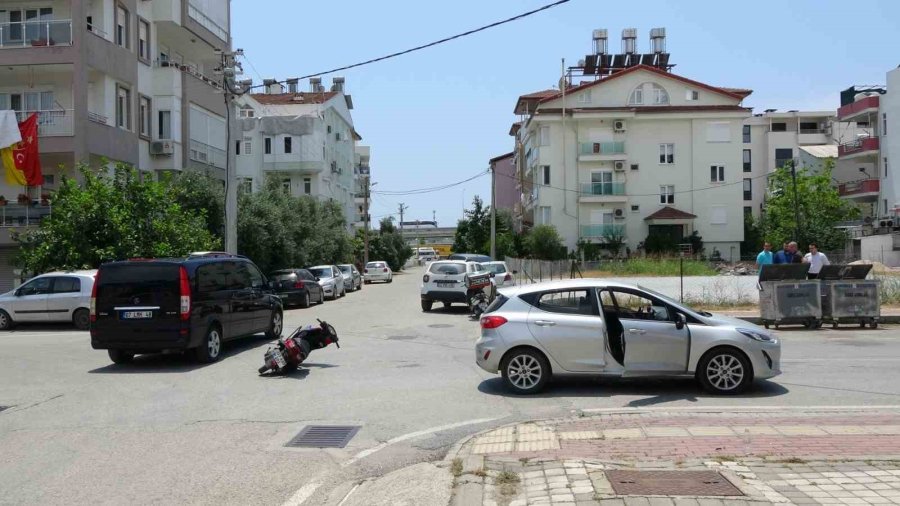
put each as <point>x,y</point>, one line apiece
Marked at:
<point>879,248</point>
<point>506,194</point>
<point>890,147</point>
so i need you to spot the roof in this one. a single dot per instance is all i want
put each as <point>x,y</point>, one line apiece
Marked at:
<point>514,129</point>
<point>670,213</point>
<point>501,157</point>
<point>293,98</point>
<point>651,109</point>
<point>822,150</point>
<point>738,91</point>
<point>533,98</point>
<point>566,283</point>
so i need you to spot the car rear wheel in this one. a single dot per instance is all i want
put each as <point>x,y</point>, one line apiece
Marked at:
<point>211,347</point>
<point>390,279</point>
<point>275,325</point>
<point>120,356</point>
<point>6,322</point>
<point>82,319</point>
<point>306,300</point>
<point>725,372</point>
<point>525,371</point>
<point>426,305</point>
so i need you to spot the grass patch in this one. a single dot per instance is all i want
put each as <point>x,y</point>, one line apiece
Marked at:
<point>791,460</point>
<point>507,481</point>
<point>456,467</point>
<point>481,473</point>
<point>651,266</point>
<point>890,288</point>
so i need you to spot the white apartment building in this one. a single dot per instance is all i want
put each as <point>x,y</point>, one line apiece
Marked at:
<point>363,175</point>
<point>306,139</point>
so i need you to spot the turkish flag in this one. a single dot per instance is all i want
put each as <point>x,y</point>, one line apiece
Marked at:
<point>26,155</point>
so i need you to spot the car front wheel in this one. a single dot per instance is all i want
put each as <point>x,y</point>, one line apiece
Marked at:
<point>5,320</point>
<point>426,305</point>
<point>525,371</point>
<point>725,372</point>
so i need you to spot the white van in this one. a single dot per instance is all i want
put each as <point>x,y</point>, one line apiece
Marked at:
<point>426,254</point>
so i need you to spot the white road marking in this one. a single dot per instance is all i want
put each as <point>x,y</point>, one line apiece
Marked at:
<point>300,496</point>
<point>349,494</point>
<point>739,408</point>
<point>412,435</point>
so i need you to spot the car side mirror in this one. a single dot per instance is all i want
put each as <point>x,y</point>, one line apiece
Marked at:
<point>679,321</point>
<point>18,292</point>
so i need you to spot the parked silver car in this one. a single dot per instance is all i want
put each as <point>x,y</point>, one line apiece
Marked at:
<point>352,278</point>
<point>330,279</point>
<point>595,327</point>
<point>51,297</point>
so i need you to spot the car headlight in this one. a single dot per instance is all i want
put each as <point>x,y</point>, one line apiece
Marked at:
<point>757,335</point>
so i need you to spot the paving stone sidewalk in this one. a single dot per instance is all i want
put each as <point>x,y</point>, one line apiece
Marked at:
<point>762,457</point>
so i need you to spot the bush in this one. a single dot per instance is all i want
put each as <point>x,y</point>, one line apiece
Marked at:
<point>544,243</point>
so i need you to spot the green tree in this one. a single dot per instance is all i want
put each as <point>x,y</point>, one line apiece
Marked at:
<point>202,194</point>
<point>544,243</point>
<point>753,239</point>
<point>112,217</point>
<point>820,208</point>
<point>473,232</point>
<point>387,245</point>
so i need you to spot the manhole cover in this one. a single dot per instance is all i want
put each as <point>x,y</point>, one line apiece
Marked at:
<point>671,483</point>
<point>401,338</point>
<point>439,326</point>
<point>324,436</point>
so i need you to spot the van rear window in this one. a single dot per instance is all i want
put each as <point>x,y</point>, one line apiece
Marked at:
<point>146,282</point>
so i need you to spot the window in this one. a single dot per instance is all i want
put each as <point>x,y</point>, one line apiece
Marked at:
<point>746,132</point>
<point>637,96</point>
<point>307,185</point>
<point>66,285</point>
<point>660,97</point>
<point>862,124</point>
<point>287,145</point>
<point>49,180</point>
<point>577,302</point>
<point>585,98</point>
<point>165,125</point>
<point>545,174</point>
<point>667,194</point>
<point>747,165</point>
<point>779,127</point>
<point>544,215</point>
<point>544,139</point>
<point>783,156</point>
<point>692,95</point>
<point>329,129</point>
<point>718,131</point>
<point>658,94</point>
<point>884,124</point>
<point>748,212</point>
<point>885,169</point>
<point>267,145</point>
<point>666,154</point>
<point>122,27</point>
<point>248,146</point>
<point>143,40</point>
<point>237,148</point>
<point>286,185</point>
<point>246,112</point>
<point>36,287</point>
<point>718,215</point>
<point>246,186</point>
<point>635,166</point>
<point>601,183</point>
<point>123,107</point>
<point>633,306</point>
<point>716,173</point>
<point>635,209</point>
<point>144,117</point>
<point>748,189</point>
<point>809,127</point>
<point>885,207</point>
<point>212,277</point>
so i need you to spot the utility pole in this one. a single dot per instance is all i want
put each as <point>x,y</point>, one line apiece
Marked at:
<point>493,212</point>
<point>230,67</point>
<point>434,217</point>
<point>796,203</point>
<point>366,217</point>
<point>403,208</point>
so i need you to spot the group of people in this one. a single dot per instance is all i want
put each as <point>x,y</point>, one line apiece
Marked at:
<point>790,254</point>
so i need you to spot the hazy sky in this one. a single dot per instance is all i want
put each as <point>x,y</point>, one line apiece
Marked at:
<point>438,115</point>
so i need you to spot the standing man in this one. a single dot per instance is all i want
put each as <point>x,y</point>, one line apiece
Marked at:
<point>781,256</point>
<point>765,256</point>
<point>816,260</point>
<point>792,254</point>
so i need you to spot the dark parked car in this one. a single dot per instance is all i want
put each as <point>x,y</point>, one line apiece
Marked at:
<point>352,278</point>
<point>296,286</point>
<point>470,257</point>
<point>194,304</point>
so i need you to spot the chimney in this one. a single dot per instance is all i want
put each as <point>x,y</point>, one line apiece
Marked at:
<point>600,41</point>
<point>629,41</point>
<point>337,84</point>
<point>658,40</point>
<point>315,85</point>
<point>292,85</point>
<point>273,87</point>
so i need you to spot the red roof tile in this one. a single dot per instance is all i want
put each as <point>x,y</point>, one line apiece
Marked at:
<point>670,213</point>
<point>293,98</point>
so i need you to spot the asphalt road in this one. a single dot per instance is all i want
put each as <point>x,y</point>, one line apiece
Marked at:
<point>167,430</point>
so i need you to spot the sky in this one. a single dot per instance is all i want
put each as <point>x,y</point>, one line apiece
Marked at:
<point>438,115</point>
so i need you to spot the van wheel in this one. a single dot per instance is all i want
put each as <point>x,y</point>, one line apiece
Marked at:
<point>426,305</point>
<point>274,331</point>
<point>120,356</point>
<point>211,347</point>
<point>6,322</point>
<point>82,319</point>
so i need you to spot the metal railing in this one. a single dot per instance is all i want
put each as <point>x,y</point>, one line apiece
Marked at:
<point>595,231</point>
<point>22,215</point>
<point>51,123</point>
<point>56,32</point>
<point>589,189</point>
<point>91,28</point>
<point>210,155</point>
<point>602,148</point>
<point>207,22</point>
<point>98,118</point>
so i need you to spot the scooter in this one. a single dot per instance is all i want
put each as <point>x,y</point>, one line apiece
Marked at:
<point>291,351</point>
<point>478,304</point>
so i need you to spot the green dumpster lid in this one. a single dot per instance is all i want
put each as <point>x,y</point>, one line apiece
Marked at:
<point>783,272</point>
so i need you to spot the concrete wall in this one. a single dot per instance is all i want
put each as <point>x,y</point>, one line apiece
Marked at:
<point>890,144</point>
<point>506,194</point>
<point>879,248</point>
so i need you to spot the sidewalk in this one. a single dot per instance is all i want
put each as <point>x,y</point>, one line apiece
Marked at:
<point>889,315</point>
<point>685,457</point>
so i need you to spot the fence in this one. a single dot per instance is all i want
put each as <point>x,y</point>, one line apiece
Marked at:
<point>535,271</point>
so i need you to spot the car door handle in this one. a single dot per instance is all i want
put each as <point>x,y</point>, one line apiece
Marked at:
<point>637,331</point>
<point>544,323</point>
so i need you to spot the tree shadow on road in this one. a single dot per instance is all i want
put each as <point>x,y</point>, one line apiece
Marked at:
<point>657,390</point>
<point>175,362</point>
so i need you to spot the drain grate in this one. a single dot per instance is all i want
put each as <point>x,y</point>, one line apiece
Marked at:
<point>324,436</point>
<point>704,483</point>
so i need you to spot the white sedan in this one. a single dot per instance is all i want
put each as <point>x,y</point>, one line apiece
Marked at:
<point>378,271</point>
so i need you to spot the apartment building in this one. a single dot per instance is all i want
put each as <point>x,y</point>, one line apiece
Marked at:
<point>362,175</point>
<point>506,195</point>
<point>306,139</point>
<point>112,80</point>
<point>633,150</point>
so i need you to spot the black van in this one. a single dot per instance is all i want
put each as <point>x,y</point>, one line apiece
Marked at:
<point>194,303</point>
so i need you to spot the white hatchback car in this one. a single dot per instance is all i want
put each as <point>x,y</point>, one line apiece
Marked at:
<point>51,297</point>
<point>378,271</point>
<point>503,277</point>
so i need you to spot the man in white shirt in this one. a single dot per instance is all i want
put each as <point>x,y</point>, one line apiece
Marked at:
<point>815,259</point>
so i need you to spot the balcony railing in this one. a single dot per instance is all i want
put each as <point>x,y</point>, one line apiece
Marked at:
<point>602,148</point>
<point>860,145</point>
<point>210,155</point>
<point>589,189</point>
<point>98,118</point>
<point>852,109</point>
<point>51,123</point>
<point>862,186</point>
<point>600,231</point>
<point>95,29</point>
<point>57,32</point>
<point>205,21</point>
<point>22,215</point>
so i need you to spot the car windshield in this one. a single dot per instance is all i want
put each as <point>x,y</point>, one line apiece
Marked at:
<point>495,268</point>
<point>321,272</point>
<point>447,268</point>
<point>344,268</point>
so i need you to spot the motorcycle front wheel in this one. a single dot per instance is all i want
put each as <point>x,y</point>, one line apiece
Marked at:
<point>263,369</point>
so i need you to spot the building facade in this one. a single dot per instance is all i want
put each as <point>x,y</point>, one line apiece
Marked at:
<point>304,139</point>
<point>506,195</point>
<point>362,173</point>
<point>112,81</point>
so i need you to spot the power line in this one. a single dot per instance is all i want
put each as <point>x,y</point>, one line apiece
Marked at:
<point>419,191</point>
<point>435,43</point>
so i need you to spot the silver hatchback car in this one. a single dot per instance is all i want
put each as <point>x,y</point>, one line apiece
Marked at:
<point>594,327</point>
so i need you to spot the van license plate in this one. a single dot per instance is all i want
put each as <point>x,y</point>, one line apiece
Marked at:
<point>137,315</point>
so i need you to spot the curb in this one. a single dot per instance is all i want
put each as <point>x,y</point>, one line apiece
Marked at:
<point>883,319</point>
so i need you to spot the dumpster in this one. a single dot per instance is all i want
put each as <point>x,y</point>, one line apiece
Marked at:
<point>786,297</point>
<point>848,297</point>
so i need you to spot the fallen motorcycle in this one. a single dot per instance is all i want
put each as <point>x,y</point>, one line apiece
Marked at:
<point>289,352</point>
<point>478,304</point>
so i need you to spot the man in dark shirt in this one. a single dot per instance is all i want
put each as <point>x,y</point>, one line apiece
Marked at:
<point>793,254</point>
<point>781,256</point>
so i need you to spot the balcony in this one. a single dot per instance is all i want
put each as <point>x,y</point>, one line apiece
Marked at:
<point>600,151</point>
<point>864,190</point>
<point>55,123</point>
<point>57,32</point>
<point>860,148</point>
<point>22,215</point>
<point>603,192</point>
<point>207,155</point>
<point>859,109</point>
<point>602,231</point>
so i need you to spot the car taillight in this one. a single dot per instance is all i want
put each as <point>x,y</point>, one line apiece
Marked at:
<point>298,284</point>
<point>508,277</point>
<point>94,297</point>
<point>492,322</point>
<point>385,269</point>
<point>365,271</point>
<point>425,278</point>
<point>185,292</point>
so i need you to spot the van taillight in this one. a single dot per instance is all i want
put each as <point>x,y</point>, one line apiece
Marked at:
<point>298,284</point>
<point>185,291</point>
<point>94,297</point>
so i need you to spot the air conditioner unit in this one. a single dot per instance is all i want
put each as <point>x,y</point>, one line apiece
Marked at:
<point>619,125</point>
<point>161,148</point>
<point>619,214</point>
<point>619,165</point>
